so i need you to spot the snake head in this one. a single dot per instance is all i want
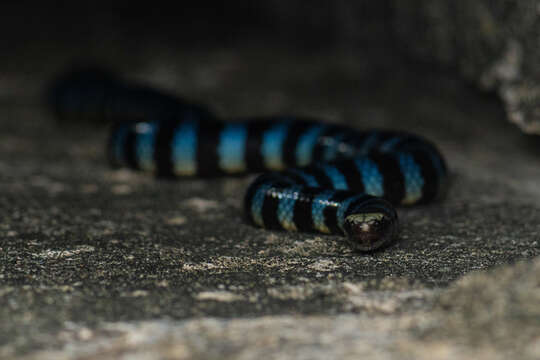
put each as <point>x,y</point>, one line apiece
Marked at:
<point>370,231</point>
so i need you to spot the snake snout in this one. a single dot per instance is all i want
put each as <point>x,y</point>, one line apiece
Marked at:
<point>370,231</point>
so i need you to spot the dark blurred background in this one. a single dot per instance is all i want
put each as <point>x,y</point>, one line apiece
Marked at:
<point>140,27</point>
<point>247,57</point>
<point>41,39</point>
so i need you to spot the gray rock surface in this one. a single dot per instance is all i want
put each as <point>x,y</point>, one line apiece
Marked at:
<point>99,263</point>
<point>491,43</point>
<point>481,316</point>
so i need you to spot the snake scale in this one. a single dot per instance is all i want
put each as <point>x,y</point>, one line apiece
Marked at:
<point>315,176</point>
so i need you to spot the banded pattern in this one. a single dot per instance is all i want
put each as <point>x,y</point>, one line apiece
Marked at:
<point>320,174</point>
<point>318,177</point>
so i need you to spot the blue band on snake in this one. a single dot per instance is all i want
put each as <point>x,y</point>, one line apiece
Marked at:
<point>316,177</point>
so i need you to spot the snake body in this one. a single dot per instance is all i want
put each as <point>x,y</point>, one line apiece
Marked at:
<point>316,177</point>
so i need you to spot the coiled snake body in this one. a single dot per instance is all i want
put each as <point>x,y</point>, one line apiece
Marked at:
<point>316,176</point>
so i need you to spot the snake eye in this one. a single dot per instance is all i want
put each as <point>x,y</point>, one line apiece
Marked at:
<point>370,231</point>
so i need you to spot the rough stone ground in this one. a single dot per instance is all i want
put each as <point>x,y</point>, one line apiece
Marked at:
<point>102,264</point>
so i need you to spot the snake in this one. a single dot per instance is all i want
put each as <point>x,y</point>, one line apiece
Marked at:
<point>315,176</point>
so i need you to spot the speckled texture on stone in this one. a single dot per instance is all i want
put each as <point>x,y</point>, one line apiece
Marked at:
<point>478,317</point>
<point>100,263</point>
